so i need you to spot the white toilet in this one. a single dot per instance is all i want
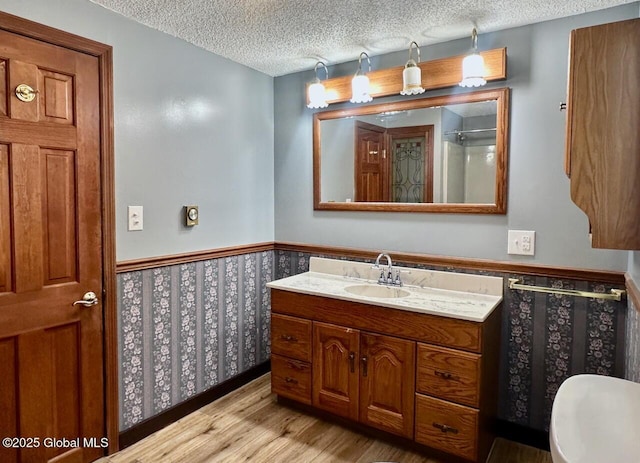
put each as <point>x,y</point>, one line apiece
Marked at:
<point>596,419</point>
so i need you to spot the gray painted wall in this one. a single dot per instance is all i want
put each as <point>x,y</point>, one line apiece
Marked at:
<point>338,139</point>
<point>538,191</point>
<point>634,266</point>
<point>190,128</point>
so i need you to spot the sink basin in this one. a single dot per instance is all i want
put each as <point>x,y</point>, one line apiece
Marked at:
<point>376,291</point>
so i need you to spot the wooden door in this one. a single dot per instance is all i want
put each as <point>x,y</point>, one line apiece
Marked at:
<point>335,369</point>
<point>51,351</point>
<point>387,383</point>
<point>370,163</point>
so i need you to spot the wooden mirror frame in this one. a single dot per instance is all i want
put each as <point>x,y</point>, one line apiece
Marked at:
<point>501,96</point>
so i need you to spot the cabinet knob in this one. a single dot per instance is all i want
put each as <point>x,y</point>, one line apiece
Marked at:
<point>444,374</point>
<point>291,380</point>
<point>289,338</point>
<point>444,428</point>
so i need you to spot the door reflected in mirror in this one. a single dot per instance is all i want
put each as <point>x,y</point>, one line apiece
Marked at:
<point>442,154</point>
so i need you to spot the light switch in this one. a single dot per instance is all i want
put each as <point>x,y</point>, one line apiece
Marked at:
<point>521,242</point>
<point>135,217</point>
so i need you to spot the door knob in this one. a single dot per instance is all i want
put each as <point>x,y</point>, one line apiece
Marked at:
<point>89,299</point>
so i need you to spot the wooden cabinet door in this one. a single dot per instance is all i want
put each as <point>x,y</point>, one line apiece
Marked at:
<point>387,383</point>
<point>603,139</point>
<point>335,369</point>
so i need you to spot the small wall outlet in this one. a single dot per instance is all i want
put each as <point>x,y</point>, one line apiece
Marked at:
<point>135,217</point>
<point>521,242</point>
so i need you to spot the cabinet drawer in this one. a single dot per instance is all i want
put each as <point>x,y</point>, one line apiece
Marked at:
<point>449,374</point>
<point>446,426</point>
<point>291,337</point>
<point>291,378</point>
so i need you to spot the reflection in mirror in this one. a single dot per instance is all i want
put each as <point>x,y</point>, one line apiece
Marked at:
<point>445,154</point>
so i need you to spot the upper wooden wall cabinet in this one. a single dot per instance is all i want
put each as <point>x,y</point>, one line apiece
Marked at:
<point>603,131</point>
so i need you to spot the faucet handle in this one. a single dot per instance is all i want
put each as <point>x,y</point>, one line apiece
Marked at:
<point>398,281</point>
<point>390,275</point>
<point>382,280</point>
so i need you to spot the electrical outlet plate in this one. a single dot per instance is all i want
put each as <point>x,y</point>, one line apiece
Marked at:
<point>521,242</point>
<point>134,213</point>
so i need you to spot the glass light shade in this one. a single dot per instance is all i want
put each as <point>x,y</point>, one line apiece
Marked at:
<point>472,71</point>
<point>360,89</point>
<point>411,79</point>
<point>317,96</point>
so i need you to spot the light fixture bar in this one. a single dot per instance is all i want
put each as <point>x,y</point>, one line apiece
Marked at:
<point>439,73</point>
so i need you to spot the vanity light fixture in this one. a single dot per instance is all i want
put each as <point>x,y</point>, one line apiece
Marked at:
<point>412,74</point>
<point>360,83</point>
<point>316,92</point>
<point>473,70</point>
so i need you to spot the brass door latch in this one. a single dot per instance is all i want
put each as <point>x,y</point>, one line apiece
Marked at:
<point>25,93</point>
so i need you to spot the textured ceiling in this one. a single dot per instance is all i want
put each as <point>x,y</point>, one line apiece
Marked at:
<point>279,37</point>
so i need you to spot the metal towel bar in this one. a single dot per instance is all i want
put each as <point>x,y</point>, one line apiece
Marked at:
<point>612,295</point>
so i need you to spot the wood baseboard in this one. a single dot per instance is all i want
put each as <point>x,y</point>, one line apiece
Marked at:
<point>523,434</point>
<point>153,424</point>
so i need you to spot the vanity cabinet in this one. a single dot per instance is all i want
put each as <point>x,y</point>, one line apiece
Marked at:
<point>602,156</point>
<point>448,399</point>
<point>291,357</point>
<point>364,376</point>
<point>424,377</point>
<point>387,383</point>
<point>335,378</point>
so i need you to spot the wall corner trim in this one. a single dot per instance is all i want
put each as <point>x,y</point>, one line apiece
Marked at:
<point>633,291</point>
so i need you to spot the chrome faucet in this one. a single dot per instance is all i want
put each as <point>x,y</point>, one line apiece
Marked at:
<point>388,279</point>
<point>380,256</point>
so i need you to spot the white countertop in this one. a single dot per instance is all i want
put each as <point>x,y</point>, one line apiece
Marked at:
<point>449,294</point>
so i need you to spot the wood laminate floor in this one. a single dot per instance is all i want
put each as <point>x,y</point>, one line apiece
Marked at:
<point>248,425</point>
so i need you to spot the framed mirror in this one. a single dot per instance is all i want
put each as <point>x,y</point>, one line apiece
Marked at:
<point>440,154</point>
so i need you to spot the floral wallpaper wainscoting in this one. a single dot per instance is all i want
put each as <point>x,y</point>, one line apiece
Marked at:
<point>186,328</point>
<point>545,339</point>
<point>632,367</point>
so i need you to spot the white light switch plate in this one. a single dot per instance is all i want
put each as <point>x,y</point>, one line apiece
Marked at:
<point>521,242</point>
<point>135,217</point>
